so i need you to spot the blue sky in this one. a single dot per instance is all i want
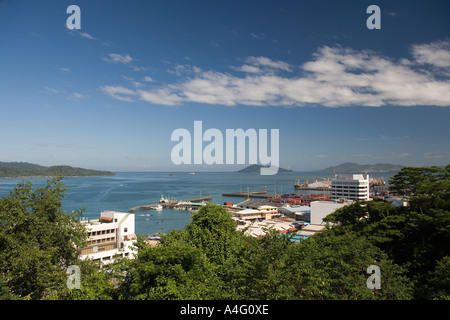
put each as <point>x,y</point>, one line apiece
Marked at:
<point>109,96</point>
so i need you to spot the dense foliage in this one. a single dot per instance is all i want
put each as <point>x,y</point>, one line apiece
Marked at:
<point>37,241</point>
<point>210,259</point>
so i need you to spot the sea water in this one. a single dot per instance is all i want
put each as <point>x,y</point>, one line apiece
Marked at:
<point>126,190</point>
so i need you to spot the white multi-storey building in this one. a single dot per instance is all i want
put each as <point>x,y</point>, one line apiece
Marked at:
<point>350,187</point>
<point>109,237</point>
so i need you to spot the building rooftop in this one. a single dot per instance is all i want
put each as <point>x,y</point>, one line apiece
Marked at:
<point>351,177</point>
<point>258,203</point>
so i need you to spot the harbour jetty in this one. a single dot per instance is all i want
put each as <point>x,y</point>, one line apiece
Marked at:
<point>172,204</point>
<point>248,194</point>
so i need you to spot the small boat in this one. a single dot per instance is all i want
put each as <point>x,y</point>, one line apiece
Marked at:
<point>157,208</point>
<point>163,200</point>
<point>192,173</point>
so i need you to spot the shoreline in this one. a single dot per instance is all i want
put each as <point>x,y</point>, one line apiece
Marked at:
<point>49,177</point>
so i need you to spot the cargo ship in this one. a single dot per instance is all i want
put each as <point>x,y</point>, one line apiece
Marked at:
<point>323,185</point>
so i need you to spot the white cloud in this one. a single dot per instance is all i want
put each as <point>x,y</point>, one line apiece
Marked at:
<point>257,36</point>
<point>148,79</point>
<point>78,96</point>
<point>433,155</point>
<point>51,90</point>
<point>436,53</point>
<point>119,93</point>
<point>138,84</point>
<point>335,77</point>
<point>86,35</point>
<point>127,78</point>
<point>160,96</point>
<point>266,62</point>
<point>186,69</point>
<point>118,58</point>
<point>249,69</point>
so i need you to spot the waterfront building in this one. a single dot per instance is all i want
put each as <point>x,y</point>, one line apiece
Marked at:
<point>261,212</point>
<point>350,187</point>
<point>255,204</point>
<point>109,237</point>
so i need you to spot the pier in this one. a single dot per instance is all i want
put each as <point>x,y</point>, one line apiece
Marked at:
<point>248,194</point>
<point>170,204</point>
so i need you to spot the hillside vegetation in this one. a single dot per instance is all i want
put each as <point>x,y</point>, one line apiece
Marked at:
<point>350,167</point>
<point>25,169</point>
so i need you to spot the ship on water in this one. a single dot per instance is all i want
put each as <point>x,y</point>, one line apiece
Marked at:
<point>323,185</point>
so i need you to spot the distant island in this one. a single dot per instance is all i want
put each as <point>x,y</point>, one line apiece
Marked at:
<point>25,169</point>
<point>350,167</point>
<point>255,168</point>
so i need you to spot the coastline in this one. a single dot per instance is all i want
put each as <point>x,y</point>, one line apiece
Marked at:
<point>50,177</point>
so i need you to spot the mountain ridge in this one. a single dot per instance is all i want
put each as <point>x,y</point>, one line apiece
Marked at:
<point>351,167</point>
<point>255,168</point>
<point>26,169</point>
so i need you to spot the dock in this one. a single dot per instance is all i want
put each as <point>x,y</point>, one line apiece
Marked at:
<point>248,194</point>
<point>170,204</point>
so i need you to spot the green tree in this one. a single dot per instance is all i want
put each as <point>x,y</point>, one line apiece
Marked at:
<point>333,265</point>
<point>360,214</point>
<point>258,270</point>
<point>171,271</point>
<point>213,231</point>
<point>438,286</point>
<point>415,237</point>
<point>96,283</point>
<point>37,240</point>
<point>417,180</point>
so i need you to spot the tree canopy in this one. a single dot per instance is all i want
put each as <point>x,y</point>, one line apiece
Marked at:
<point>37,240</point>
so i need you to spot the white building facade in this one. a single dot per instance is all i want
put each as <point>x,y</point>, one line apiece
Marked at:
<point>320,209</point>
<point>350,187</point>
<point>109,237</point>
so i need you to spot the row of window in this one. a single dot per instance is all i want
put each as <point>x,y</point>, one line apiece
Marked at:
<point>349,187</point>
<point>112,239</point>
<point>126,254</point>
<point>350,194</point>
<point>100,232</point>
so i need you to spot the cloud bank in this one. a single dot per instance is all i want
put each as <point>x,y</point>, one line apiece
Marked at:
<point>334,77</point>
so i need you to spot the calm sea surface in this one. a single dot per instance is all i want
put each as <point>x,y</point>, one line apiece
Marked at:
<point>130,189</point>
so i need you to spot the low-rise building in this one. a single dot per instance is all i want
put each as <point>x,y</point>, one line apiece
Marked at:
<point>261,212</point>
<point>320,209</point>
<point>109,237</point>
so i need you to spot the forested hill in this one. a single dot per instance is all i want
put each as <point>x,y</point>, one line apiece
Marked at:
<point>255,168</point>
<point>349,167</point>
<point>25,169</point>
